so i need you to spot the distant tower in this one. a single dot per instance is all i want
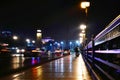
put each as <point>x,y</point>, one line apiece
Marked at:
<point>5,37</point>
<point>39,38</point>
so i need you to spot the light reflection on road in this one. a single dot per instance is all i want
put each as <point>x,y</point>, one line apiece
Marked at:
<point>17,62</point>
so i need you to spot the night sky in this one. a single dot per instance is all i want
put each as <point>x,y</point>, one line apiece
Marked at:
<point>59,19</point>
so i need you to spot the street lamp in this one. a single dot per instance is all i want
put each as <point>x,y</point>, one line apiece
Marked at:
<point>85,5</point>
<point>15,37</point>
<point>28,40</point>
<point>82,27</point>
<point>15,40</point>
<point>81,40</point>
<point>77,42</point>
<point>82,35</point>
<point>33,41</point>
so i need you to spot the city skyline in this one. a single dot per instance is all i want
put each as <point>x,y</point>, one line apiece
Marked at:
<point>58,19</point>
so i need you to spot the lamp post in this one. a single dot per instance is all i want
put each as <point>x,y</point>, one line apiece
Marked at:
<point>85,5</point>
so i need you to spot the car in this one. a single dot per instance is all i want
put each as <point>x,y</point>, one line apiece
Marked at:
<point>58,52</point>
<point>5,51</point>
<point>66,52</point>
<point>32,53</point>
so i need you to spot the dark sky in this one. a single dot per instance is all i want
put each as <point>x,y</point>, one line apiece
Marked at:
<point>59,19</point>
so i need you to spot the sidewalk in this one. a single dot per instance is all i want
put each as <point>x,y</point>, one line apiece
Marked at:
<point>65,68</point>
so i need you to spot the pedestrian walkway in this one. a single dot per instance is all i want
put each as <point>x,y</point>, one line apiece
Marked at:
<point>66,68</point>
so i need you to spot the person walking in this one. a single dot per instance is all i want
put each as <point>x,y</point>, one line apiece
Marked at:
<point>77,51</point>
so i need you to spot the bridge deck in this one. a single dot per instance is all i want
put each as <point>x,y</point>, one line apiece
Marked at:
<point>66,68</point>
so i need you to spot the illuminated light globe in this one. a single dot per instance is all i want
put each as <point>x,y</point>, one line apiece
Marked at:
<point>15,37</point>
<point>28,40</point>
<point>83,27</point>
<point>85,4</point>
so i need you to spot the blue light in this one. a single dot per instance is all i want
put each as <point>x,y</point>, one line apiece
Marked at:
<point>70,43</point>
<point>77,42</point>
<point>62,42</point>
<point>56,43</point>
<point>50,44</point>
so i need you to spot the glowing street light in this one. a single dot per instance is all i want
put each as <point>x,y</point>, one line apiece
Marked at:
<point>82,34</point>
<point>70,43</point>
<point>33,41</point>
<point>83,27</point>
<point>85,5</point>
<point>28,40</point>
<point>15,37</point>
<point>77,42</point>
<point>62,42</point>
<point>39,30</point>
<point>81,39</point>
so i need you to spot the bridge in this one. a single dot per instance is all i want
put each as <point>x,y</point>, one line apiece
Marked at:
<point>99,60</point>
<point>102,54</point>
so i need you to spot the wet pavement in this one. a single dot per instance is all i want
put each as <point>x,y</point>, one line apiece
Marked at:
<point>14,64</point>
<point>65,68</point>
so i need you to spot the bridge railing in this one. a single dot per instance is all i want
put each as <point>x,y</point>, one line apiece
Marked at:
<point>102,54</point>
